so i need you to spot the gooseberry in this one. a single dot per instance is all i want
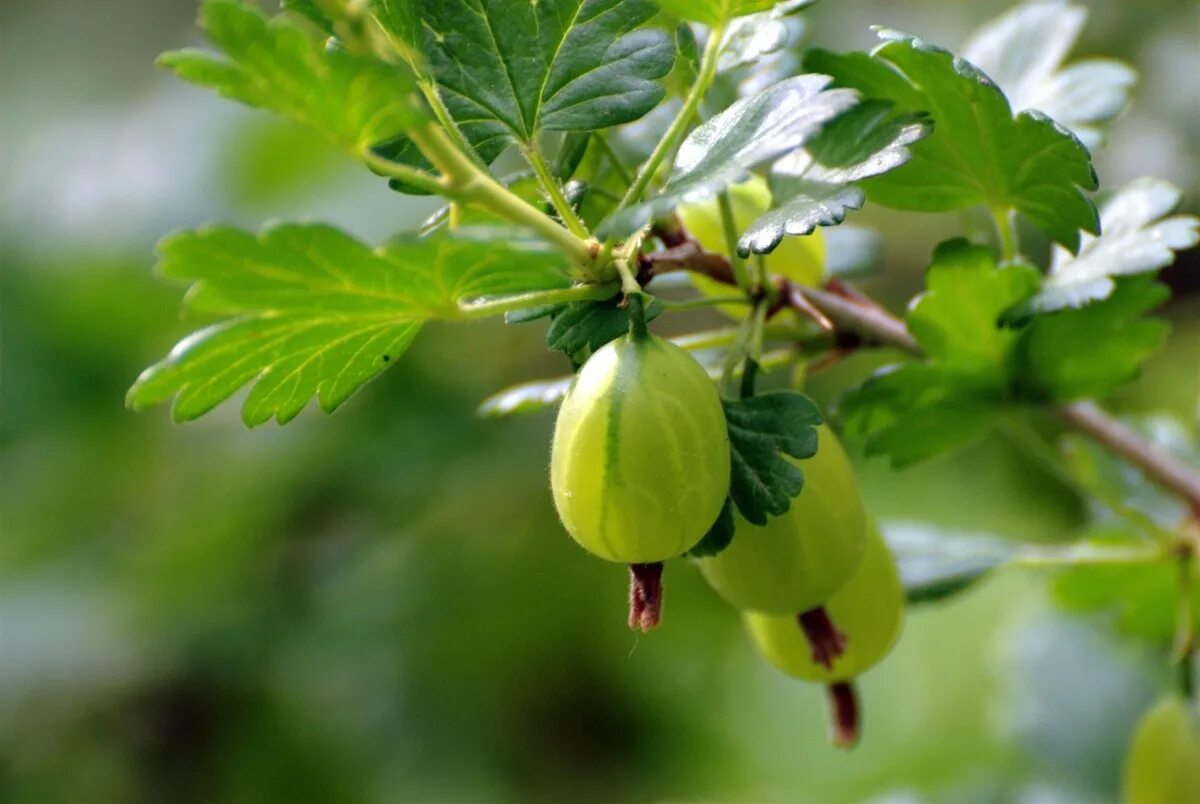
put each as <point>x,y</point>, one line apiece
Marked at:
<point>640,461</point>
<point>798,560</point>
<point>1163,764</point>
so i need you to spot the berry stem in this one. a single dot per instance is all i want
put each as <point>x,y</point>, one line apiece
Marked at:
<point>645,595</point>
<point>826,641</point>
<point>844,714</point>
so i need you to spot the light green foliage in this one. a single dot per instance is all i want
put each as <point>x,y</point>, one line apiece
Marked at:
<point>916,410</point>
<point>979,153</point>
<point>277,65</point>
<point>1091,350</point>
<point>311,311</point>
<point>640,460</point>
<point>713,12</point>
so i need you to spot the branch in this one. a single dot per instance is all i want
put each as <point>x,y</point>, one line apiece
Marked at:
<point>864,318</point>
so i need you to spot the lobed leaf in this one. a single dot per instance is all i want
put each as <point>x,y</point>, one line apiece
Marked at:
<point>277,65</point>
<point>1089,351</point>
<point>719,536</point>
<point>763,430</point>
<point>812,186</point>
<point>1023,50</point>
<point>721,151</point>
<point>979,153</point>
<point>1137,238</point>
<point>580,328</point>
<point>750,38</point>
<point>313,312</point>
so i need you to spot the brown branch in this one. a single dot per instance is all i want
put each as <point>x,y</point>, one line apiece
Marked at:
<point>851,312</point>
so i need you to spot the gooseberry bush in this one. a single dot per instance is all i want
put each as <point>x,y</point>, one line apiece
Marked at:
<point>607,163</point>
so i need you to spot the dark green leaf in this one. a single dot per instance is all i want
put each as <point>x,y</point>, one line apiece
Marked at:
<point>583,327</point>
<point>936,564</point>
<point>802,207</point>
<point>978,153</point>
<point>554,65</point>
<point>309,10</point>
<point>1137,238</point>
<point>570,154</point>
<point>311,311</point>
<point>763,430</point>
<point>279,66</point>
<point>1089,351</point>
<point>751,132</point>
<point>719,535</point>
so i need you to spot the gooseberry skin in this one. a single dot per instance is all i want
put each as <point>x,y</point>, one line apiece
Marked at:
<point>869,610</point>
<point>799,259</point>
<point>1163,763</point>
<point>799,560</point>
<point>639,465</point>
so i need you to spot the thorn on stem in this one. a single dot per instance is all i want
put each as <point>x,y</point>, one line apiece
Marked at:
<point>843,714</point>
<point>826,641</point>
<point>645,595</point>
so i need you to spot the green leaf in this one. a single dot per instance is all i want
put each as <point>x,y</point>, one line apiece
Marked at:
<point>309,10</point>
<point>1089,351</point>
<point>277,65</point>
<point>1022,51</point>
<point>528,397</point>
<point>713,12</point>
<point>751,132</point>
<point>957,319</point>
<point>812,186</point>
<point>311,311</point>
<point>978,153</point>
<point>719,536</point>
<point>1137,238</point>
<point>915,411</point>
<point>1142,598</point>
<point>581,328</point>
<point>762,430</point>
<point>936,564</point>
<point>521,68</point>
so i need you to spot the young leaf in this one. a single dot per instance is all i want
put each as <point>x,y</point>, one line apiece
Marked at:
<point>1137,237</point>
<point>554,65</point>
<point>978,153</point>
<point>722,150</point>
<point>764,429</point>
<point>917,410</point>
<point>719,536</point>
<point>1022,51</point>
<point>813,186</point>
<point>1142,597</point>
<point>1089,351</point>
<point>311,311</point>
<point>583,327</point>
<point>936,564</point>
<point>277,65</point>
<point>713,12</point>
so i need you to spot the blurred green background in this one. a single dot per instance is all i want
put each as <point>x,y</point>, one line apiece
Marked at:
<point>380,605</point>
